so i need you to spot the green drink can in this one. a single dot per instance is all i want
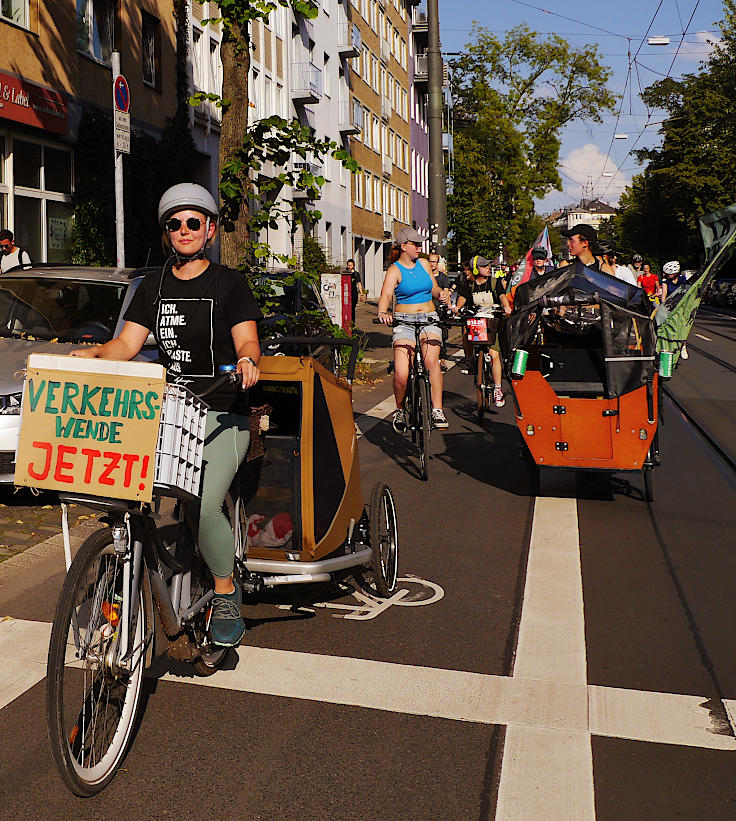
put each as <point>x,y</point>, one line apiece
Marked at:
<point>518,368</point>
<point>665,364</point>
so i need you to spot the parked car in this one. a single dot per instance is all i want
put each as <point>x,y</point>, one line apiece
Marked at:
<point>53,309</point>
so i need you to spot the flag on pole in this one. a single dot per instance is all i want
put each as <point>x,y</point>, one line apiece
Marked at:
<point>523,274</point>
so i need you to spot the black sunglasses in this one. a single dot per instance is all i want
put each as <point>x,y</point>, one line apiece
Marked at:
<point>193,224</point>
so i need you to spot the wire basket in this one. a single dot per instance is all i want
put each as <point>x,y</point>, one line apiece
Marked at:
<point>180,443</point>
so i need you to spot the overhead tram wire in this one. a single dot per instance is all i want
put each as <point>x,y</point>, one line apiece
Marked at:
<point>572,19</point>
<point>628,79</point>
<point>669,71</point>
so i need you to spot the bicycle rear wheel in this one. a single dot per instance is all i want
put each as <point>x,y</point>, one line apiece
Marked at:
<point>424,424</point>
<point>92,695</point>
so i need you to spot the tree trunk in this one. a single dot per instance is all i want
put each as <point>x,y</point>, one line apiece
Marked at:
<point>235,55</point>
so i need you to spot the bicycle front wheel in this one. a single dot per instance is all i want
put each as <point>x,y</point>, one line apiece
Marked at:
<point>480,387</point>
<point>424,419</point>
<point>92,694</point>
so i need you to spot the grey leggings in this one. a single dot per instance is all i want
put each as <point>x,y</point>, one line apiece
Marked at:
<point>226,442</point>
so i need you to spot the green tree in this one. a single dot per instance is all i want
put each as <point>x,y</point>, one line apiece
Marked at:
<point>693,169</point>
<point>512,98</point>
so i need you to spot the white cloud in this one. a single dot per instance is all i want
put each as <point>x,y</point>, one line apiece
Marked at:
<point>706,43</point>
<point>581,168</point>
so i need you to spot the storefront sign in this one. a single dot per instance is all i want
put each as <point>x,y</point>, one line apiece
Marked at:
<point>31,104</point>
<point>90,426</point>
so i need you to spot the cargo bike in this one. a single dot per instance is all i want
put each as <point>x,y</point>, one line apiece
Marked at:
<point>588,357</point>
<point>138,587</point>
<point>582,360</point>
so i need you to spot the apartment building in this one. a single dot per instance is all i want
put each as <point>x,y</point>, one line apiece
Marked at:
<point>419,129</point>
<point>54,63</point>
<point>381,193</point>
<point>300,69</point>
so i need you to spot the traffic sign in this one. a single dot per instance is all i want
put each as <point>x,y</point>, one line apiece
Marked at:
<point>122,132</point>
<point>122,94</point>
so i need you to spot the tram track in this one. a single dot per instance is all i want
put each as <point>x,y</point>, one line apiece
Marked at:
<point>722,362</point>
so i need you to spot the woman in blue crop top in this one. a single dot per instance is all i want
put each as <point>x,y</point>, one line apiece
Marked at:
<point>411,282</point>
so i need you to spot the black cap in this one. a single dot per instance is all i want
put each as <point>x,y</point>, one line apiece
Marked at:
<point>586,232</point>
<point>539,252</point>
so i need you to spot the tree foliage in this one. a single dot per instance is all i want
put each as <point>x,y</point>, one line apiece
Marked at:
<point>512,98</point>
<point>693,170</point>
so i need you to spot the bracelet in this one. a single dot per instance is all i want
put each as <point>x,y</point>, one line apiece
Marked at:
<point>247,359</point>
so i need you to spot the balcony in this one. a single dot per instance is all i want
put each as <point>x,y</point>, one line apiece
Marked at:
<point>421,69</point>
<point>351,118</point>
<point>308,117</point>
<point>316,169</point>
<point>385,50</point>
<point>387,165</point>
<point>448,142</point>
<point>420,23</point>
<point>388,225</point>
<point>382,4</point>
<point>385,108</point>
<point>349,40</point>
<point>306,83</point>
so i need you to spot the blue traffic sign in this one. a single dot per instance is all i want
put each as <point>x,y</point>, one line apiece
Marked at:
<point>122,94</point>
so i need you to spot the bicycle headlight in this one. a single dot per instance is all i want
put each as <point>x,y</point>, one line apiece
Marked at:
<point>10,404</point>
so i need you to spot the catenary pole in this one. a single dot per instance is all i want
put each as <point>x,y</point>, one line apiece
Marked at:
<point>435,108</point>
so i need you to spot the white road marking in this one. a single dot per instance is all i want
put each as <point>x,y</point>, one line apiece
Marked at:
<point>540,706</point>
<point>548,773</point>
<point>370,418</point>
<point>700,336</point>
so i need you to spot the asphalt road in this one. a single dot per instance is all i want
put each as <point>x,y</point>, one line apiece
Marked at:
<point>565,657</point>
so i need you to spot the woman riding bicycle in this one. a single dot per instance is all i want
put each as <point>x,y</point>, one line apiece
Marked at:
<point>202,315</point>
<point>410,280</point>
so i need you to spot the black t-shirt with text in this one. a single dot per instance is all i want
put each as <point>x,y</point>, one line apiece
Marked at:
<point>491,285</point>
<point>192,321</point>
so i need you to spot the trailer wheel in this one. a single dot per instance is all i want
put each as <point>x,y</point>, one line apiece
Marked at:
<point>384,542</point>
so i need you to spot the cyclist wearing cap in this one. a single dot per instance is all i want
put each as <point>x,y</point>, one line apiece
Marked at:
<point>411,282</point>
<point>202,315</point>
<point>582,243</point>
<point>483,283</point>
<point>539,262</point>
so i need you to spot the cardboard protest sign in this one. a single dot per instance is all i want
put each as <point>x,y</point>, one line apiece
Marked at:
<point>90,426</point>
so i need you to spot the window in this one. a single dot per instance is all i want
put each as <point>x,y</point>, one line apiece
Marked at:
<point>151,51</point>
<point>374,15</point>
<point>358,189</point>
<point>363,118</point>
<point>374,72</point>
<point>96,28</point>
<point>326,74</point>
<point>376,139</point>
<point>377,195</point>
<point>368,193</point>
<point>366,64</point>
<point>198,75</point>
<point>15,10</point>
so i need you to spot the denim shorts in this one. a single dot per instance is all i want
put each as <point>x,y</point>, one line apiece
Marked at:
<point>405,333</point>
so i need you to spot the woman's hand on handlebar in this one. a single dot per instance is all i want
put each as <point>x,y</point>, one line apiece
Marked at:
<point>445,296</point>
<point>385,317</point>
<point>248,372</point>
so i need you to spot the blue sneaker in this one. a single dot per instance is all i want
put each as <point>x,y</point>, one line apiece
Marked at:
<point>227,627</point>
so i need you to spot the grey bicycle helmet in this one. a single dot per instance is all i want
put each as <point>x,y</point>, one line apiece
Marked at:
<point>186,196</point>
<point>672,267</point>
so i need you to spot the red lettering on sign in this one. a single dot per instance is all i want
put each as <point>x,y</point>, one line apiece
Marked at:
<point>62,464</point>
<point>91,456</point>
<point>112,463</point>
<point>130,459</point>
<point>46,446</point>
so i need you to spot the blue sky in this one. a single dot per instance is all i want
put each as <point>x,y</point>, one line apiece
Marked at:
<point>588,149</point>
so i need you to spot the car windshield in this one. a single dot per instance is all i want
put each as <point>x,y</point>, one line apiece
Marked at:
<point>61,310</point>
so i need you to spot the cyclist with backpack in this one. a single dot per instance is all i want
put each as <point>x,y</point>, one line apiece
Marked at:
<point>203,315</point>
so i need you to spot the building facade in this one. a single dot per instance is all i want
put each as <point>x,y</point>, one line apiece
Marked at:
<point>55,62</point>
<point>419,83</point>
<point>381,193</point>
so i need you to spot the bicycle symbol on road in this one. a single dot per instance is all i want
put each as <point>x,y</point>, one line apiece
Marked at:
<point>414,592</point>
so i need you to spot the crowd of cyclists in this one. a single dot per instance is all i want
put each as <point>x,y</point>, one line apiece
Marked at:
<point>218,327</point>
<point>420,286</point>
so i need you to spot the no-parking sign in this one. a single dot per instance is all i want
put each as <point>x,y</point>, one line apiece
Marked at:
<point>122,94</point>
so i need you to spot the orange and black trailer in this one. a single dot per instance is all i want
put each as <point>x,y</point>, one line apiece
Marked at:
<point>581,357</point>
